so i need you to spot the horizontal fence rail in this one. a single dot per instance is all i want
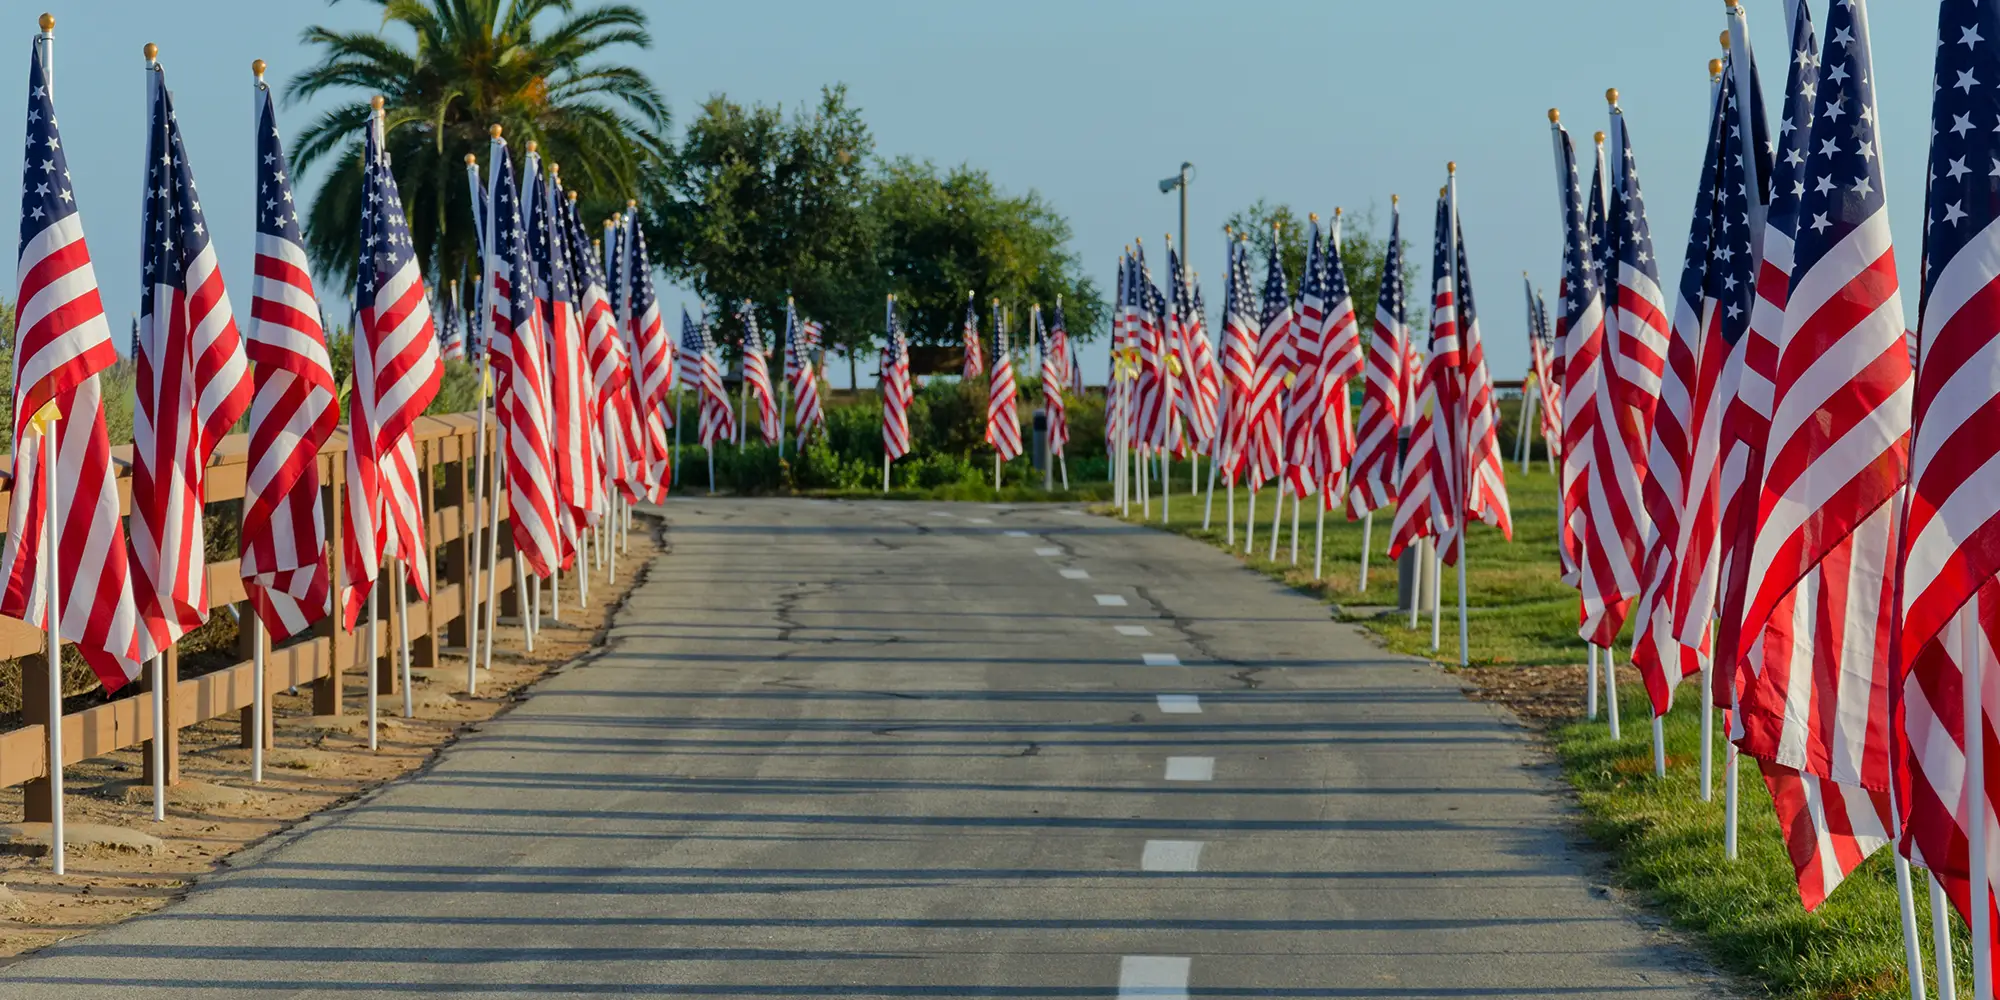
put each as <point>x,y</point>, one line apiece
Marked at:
<point>318,658</point>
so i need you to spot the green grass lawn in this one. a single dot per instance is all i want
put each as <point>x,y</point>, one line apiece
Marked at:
<point>1664,843</point>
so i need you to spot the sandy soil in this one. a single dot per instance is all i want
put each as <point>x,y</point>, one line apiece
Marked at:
<point>314,763</point>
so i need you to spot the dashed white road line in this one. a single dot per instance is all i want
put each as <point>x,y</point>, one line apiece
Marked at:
<point>1180,704</point>
<point>1048,550</point>
<point>980,520</point>
<point>1133,630</point>
<point>1076,574</point>
<point>1158,977</point>
<point>1171,856</point>
<point>1160,659</point>
<point>1015,533</point>
<point>1190,769</point>
<point>1110,601</point>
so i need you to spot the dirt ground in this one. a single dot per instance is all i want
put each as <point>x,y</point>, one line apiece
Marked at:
<point>1542,696</point>
<point>315,762</point>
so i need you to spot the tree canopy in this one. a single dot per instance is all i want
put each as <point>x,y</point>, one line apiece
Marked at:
<point>534,67</point>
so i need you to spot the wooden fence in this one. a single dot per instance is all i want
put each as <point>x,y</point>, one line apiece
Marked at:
<point>445,447</point>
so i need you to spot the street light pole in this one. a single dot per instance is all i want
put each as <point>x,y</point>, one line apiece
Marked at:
<point>1180,180</point>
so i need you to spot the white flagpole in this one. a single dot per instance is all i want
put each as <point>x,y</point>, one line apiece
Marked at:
<point>493,542</point>
<point>1611,691</point>
<point>1464,519</point>
<point>258,706</point>
<point>1528,407</point>
<point>1729,801</point>
<point>1166,485</point>
<point>374,612</point>
<point>1319,538</point>
<point>1941,940</point>
<point>1367,530</point>
<point>1208,508</point>
<point>52,573</point>
<point>482,337</point>
<point>158,670</point>
<point>1437,596</point>
<point>1707,733</point>
<point>1659,747</point>
<point>1590,688</point>
<point>1229,512</point>
<point>1297,501</point>
<point>1277,513</point>
<point>1249,523</point>
<point>1976,802</point>
<point>1906,905</point>
<point>394,578</point>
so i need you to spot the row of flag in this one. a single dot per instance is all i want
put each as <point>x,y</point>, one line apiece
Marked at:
<point>1774,482</point>
<point>700,368</point>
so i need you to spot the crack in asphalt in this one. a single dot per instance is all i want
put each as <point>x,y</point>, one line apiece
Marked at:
<point>1185,625</point>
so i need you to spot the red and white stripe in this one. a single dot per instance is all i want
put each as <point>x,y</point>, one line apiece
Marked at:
<point>573,399</point>
<point>1306,404</point>
<point>1264,416</point>
<point>1486,483</point>
<point>292,416</point>
<point>757,376</point>
<point>1829,829</point>
<point>1239,366</point>
<point>803,377</point>
<point>1372,470</point>
<point>520,357</point>
<point>1003,423</point>
<point>896,392</point>
<point>1055,368</point>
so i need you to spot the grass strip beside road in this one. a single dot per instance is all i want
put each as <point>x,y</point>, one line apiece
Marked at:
<point>1664,844</point>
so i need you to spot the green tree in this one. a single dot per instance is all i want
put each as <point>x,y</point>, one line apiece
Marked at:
<point>757,206</point>
<point>533,67</point>
<point>942,234</point>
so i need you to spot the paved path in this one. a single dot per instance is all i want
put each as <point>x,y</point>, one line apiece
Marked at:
<point>929,750</point>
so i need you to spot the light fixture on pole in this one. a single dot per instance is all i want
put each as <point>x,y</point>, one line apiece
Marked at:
<point>1180,180</point>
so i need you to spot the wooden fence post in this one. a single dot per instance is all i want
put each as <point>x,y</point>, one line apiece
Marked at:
<point>457,553</point>
<point>424,650</point>
<point>35,803</point>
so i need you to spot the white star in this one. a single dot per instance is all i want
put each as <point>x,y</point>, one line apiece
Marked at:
<point>1819,223</point>
<point>1864,187</point>
<point>1961,124</point>
<point>1952,213</point>
<point>1957,169</point>
<point>1969,37</point>
<point>1965,81</point>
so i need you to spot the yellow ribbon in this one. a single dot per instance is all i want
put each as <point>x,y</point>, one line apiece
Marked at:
<point>46,417</point>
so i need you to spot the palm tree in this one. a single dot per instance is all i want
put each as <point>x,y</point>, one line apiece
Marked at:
<point>523,64</point>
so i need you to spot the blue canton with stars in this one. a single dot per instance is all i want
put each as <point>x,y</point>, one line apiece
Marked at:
<point>175,231</point>
<point>385,234</point>
<point>1631,234</point>
<point>276,214</point>
<point>1842,172</point>
<point>1391,295</point>
<point>1579,287</point>
<point>511,246</point>
<point>1731,279</point>
<point>46,197</point>
<point>1965,133</point>
<point>694,337</point>
<point>545,234</point>
<point>1788,171</point>
<point>1274,287</point>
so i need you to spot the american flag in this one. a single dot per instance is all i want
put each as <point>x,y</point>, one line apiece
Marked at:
<point>1635,339</point>
<point>193,385</point>
<point>450,335</point>
<point>396,375</point>
<point>520,357</point>
<point>1306,407</point>
<point>1813,691</point>
<point>1486,468</point>
<point>1444,377</point>
<point>969,331</point>
<point>1157,423</point>
<point>1580,331</point>
<point>801,374</point>
<point>1424,507</point>
<point>1198,387</point>
<point>718,421</point>
<point>1548,376</point>
<point>1372,471</point>
<point>1055,348</point>
<point>1239,364</point>
<point>648,340</point>
<point>610,371</point>
<point>64,342</point>
<point>1951,548</point>
<point>1003,424</point>
<point>896,391</point>
<point>571,400</point>
<point>1205,385</point>
<point>757,374</point>
<point>1657,653</point>
<point>1264,430</point>
<point>1340,363</point>
<point>294,412</point>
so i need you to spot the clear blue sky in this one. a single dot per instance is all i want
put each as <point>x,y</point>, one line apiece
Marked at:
<point>1318,104</point>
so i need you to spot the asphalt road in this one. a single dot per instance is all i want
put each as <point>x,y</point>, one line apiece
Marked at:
<point>931,750</point>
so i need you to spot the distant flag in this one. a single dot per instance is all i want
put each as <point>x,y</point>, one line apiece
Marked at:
<point>718,422</point>
<point>1548,377</point>
<point>450,336</point>
<point>1372,471</point>
<point>647,338</point>
<point>520,364</point>
<point>757,374</point>
<point>609,367</point>
<point>193,385</point>
<point>1423,508</point>
<point>396,375</point>
<point>1580,331</point>
<point>294,412</point>
<point>571,399</point>
<point>1155,389</point>
<point>1239,364</point>
<point>63,342</point>
<point>1196,360</point>
<point>1340,361</point>
<point>1264,426</point>
<point>1486,485</point>
<point>896,390</point>
<point>970,332</point>
<point>1053,350</point>
<point>1444,381</point>
<point>1306,406</point>
<point>1003,422</point>
<point>800,372</point>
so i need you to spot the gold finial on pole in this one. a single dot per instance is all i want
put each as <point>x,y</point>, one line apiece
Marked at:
<point>152,51</point>
<point>1611,96</point>
<point>377,102</point>
<point>48,22</point>
<point>494,131</point>
<point>1312,216</point>
<point>1395,199</point>
<point>1725,41</point>
<point>532,145</point>
<point>1600,138</point>
<point>470,159</point>
<point>257,68</point>
<point>632,203</point>
<point>1337,210</point>
<point>1715,69</point>
<point>1451,167</point>
<point>572,196</point>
